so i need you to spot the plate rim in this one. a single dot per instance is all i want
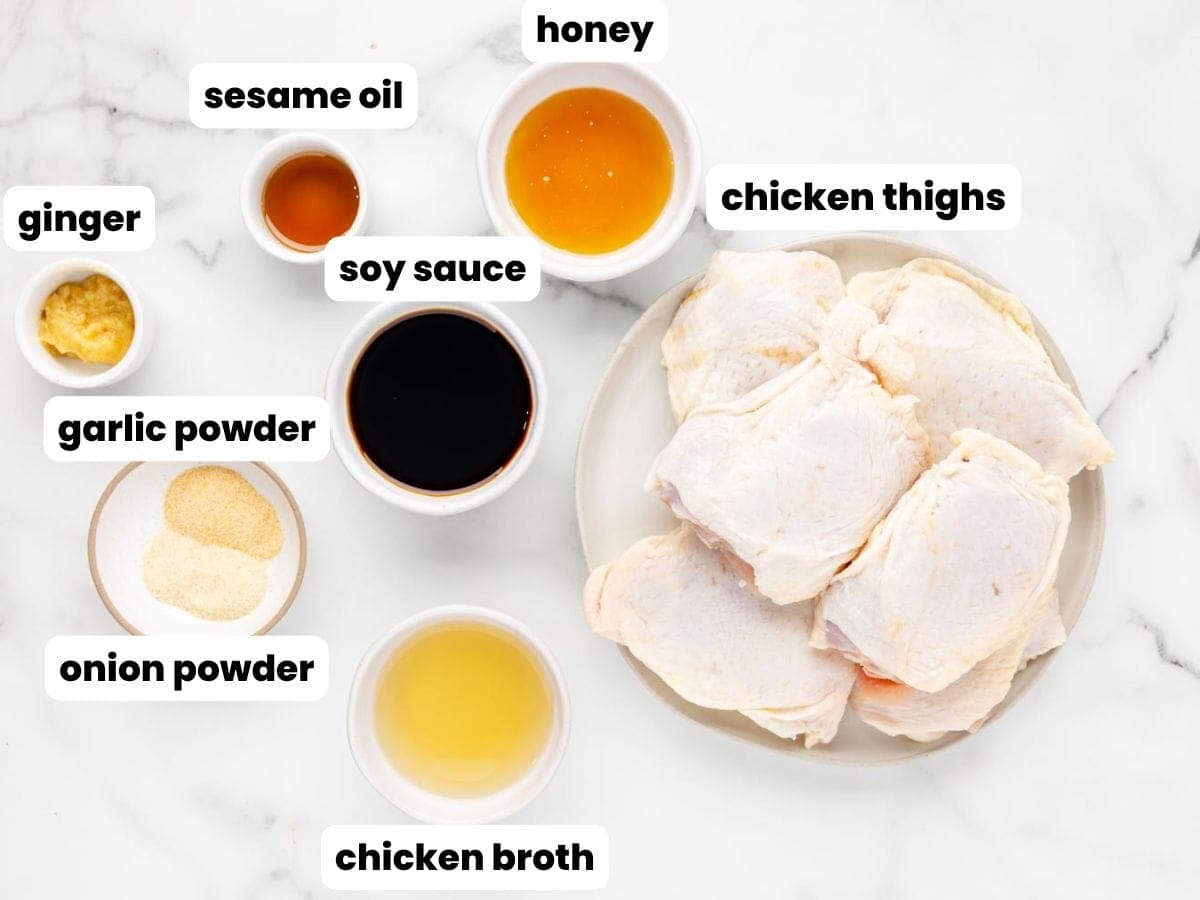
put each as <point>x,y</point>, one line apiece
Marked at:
<point>792,748</point>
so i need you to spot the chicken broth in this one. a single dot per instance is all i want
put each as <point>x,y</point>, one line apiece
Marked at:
<point>463,709</point>
<point>440,401</point>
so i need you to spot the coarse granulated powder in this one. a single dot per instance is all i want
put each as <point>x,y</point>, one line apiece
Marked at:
<point>216,505</point>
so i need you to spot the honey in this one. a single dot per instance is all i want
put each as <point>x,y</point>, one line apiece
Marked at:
<point>463,709</point>
<point>310,199</point>
<point>589,170</point>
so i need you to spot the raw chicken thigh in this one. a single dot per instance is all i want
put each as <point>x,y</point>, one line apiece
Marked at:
<point>752,316</point>
<point>811,416</point>
<point>978,364</point>
<point>963,567</point>
<point>898,709</point>
<point>688,616</point>
<point>791,478</point>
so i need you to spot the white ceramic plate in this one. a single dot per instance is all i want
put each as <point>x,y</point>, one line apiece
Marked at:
<point>130,512</point>
<point>630,421</point>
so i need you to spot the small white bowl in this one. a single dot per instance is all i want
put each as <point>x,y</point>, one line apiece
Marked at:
<point>128,515</point>
<point>416,801</point>
<point>66,371</point>
<point>533,86</point>
<point>265,161</point>
<point>337,386</point>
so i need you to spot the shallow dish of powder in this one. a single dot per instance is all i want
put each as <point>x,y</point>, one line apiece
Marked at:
<point>146,534</point>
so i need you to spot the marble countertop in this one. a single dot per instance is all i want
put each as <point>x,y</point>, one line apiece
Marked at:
<point>1089,787</point>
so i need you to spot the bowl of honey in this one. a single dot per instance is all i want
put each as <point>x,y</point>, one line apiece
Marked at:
<point>459,714</point>
<point>597,161</point>
<point>300,191</point>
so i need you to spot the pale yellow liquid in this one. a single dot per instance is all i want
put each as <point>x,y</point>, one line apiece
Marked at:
<point>463,709</point>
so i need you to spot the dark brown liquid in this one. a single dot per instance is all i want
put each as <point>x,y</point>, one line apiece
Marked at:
<point>440,401</point>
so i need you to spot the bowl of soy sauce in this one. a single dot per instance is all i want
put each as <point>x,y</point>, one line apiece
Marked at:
<point>439,408</point>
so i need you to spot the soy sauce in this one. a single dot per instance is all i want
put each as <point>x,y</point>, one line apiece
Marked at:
<point>440,401</point>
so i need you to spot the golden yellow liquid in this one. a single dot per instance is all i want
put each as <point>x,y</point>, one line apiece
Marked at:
<point>589,170</point>
<point>463,709</point>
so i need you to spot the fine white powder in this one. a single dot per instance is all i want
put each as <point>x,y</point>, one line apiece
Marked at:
<point>206,580</point>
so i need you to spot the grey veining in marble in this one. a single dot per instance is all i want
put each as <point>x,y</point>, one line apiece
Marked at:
<point>1089,788</point>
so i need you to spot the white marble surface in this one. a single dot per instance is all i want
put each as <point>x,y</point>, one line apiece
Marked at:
<point>1089,788</point>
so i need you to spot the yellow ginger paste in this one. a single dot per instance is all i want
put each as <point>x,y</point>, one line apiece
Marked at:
<point>91,320</point>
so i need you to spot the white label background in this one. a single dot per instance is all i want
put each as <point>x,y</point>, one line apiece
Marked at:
<point>169,410</point>
<point>411,249</point>
<point>607,11</point>
<point>353,76</point>
<point>874,176</point>
<point>464,837</point>
<point>102,197</point>
<point>169,649</point>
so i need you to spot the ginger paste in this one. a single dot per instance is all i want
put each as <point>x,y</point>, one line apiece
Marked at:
<point>91,320</point>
